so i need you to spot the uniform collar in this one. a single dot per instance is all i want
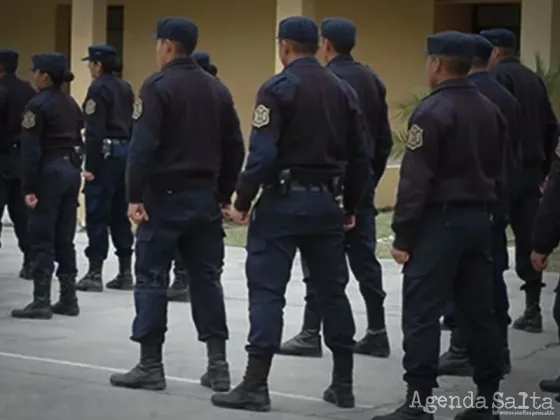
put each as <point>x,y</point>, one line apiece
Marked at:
<point>183,61</point>
<point>509,60</point>
<point>51,88</point>
<point>303,61</point>
<point>341,58</point>
<point>478,75</point>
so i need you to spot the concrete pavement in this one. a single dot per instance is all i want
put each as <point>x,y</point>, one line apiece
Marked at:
<point>59,369</point>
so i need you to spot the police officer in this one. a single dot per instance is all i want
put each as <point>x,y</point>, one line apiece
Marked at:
<point>306,124</point>
<point>546,236</point>
<point>185,156</point>
<point>538,129</point>
<point>456,361</point>
<point>179,289</point>
<point>449,176</point>
<point>338,40</point>
<point>108,119</point>
<point>52,124</point>
<point>203,60</point>
<point>14,95</point>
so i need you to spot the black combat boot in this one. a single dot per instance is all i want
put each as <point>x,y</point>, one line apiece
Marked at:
<point>68,302</point>
<point>479,413</point>
<point>216,376</point>
<point>308,342</point>
<point>179,290</point>
<point>93,280</point>
<point>374,343</point>
<point>414,408</point>
<point>455,362</point>
<point>252,393</point>
<point>148,374</point>
<point>340,392</point>
<point>26,271</point>
<point>531,320</point>
<point>124,280</point>
<point>506,357</point>
<point>40,308</point>
<point>556,307</point>
<point>550,385</point>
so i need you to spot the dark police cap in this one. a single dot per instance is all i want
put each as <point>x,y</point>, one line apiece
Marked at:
<point>96,52</point>
<point>500,37</point>
<point>340,31</point>
<point>483,47</point>
<point>202,58</point>
<point>176,28</point>
<point>7,55</point>
<point>51,62</point>
<point>451,43</point>
<point>298,29</point>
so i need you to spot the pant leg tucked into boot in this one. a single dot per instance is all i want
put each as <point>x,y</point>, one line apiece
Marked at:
<point>68,301</point>
<point>147,374</point>
<point>308,342</point>
<point>124,280</point>
<point>340,391</point>
<point>217,375</point>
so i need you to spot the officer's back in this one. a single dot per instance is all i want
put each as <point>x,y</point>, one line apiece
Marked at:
<point>537,125</point>
<point>14,95</point>
<point>120,96</point>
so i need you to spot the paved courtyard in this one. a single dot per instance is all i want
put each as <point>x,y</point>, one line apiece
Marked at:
<point>59,369</point>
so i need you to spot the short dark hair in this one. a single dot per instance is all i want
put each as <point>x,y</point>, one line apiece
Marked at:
<point>342,47</point>
<point>9,67</point>
<point>307,47</point>
<point>479,62</point>
<point>110,63</point>
<point>182,49</point>
<point>457,65</point>
<point>507,51</point>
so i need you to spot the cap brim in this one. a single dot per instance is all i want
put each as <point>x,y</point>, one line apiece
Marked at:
<point>86,59</point>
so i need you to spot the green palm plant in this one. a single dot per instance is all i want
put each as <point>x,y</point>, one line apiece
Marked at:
<point>550,76</point>
<point>403,112</point>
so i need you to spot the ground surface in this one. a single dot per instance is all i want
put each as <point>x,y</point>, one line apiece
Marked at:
<point>59,369</point>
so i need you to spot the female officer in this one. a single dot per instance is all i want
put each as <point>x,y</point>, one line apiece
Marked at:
<point>108,120</point>
<point>51,123</point>
<point>203,60</point>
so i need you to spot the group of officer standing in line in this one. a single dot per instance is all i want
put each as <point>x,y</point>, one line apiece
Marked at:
<point>479,149</point>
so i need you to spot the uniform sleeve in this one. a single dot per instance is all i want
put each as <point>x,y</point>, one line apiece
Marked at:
<point>384,138</point>
<point>233,151</point>
<point>515,160</point>
<point>358,165</point>
<point>262,148</point>
<point>95,118</point>
<point>546,233</point>
<point>500,166</point>
<point>550,129</point>
<point>149,109</point>
<point>504,79</point>
<point>31,147</point>
<point>418,170</point>
<point>3,101</point>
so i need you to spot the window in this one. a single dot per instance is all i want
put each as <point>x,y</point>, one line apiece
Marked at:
<point>115,29</point>
<point>504,15</point>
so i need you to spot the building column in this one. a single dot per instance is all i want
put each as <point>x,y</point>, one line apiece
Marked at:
<point>286,8</point>
<point>89,26</point>
<point>540,32</point>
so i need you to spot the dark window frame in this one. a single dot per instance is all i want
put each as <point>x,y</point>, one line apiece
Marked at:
<point>497,9</point>
<point>115,30</point>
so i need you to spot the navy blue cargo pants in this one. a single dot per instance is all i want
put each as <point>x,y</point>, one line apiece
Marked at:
<point>361,244</point>
<point>11,197</point>
<point>52,223</point>
<point>450,260</point>
<point>311,220</point>
<point>190,221</point>
<point>106,208</point>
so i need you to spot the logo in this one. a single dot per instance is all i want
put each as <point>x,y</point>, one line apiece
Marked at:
<point>522,404</point>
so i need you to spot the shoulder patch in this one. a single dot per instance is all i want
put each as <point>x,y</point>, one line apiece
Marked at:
<point>557,151</point>
<point>414,138</point>
<point>28,120</point>
<point>90,107</point>
<point>261,116</point>
<point>137,109</point>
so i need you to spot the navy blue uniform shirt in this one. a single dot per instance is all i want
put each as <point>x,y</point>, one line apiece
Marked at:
<point>538,123</point>
<point>306,119</point>
<point>14,95</point>
<point>52,123</point>
<point>108,115</point>
<point>511,111</point>
<point>186,132</point>
<point>373,103</point>
<point>455,145</point>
